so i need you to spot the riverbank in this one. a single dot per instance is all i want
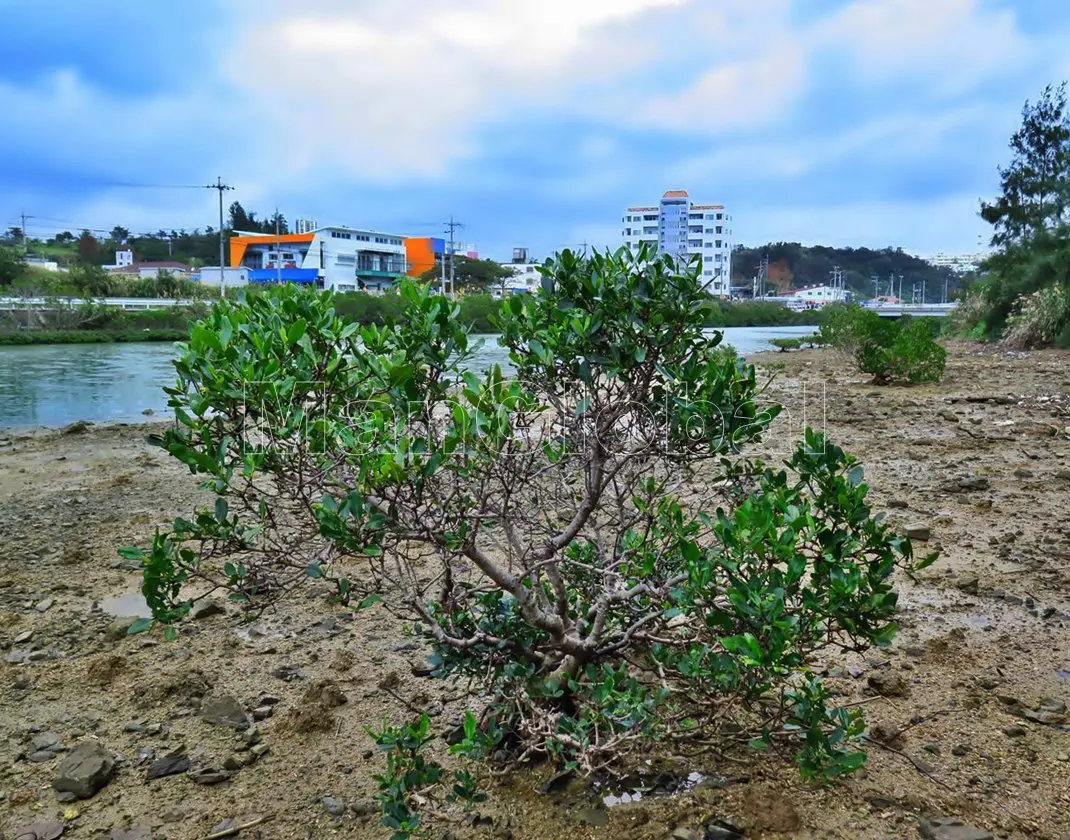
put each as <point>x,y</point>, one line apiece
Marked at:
<point>22,338</point>
<point>982,461</point>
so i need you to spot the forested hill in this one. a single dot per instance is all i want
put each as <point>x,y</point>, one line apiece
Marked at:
<point>792,265</point>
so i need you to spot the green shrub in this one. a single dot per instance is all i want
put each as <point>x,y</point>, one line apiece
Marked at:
<point>785,344</point>
<point>1040,318</point>
<point>890,350</point>
<point>584,546</point>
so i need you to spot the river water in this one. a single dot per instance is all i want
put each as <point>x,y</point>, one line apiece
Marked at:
<point>56,384</point>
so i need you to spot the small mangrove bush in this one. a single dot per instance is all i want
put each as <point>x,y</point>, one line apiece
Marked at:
<point>584,542</point>
<point>890,350</point>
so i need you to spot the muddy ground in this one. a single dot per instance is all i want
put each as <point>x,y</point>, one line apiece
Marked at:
<point>970,698</point>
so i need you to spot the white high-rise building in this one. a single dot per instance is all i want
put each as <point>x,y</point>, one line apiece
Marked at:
<point>682,228</point>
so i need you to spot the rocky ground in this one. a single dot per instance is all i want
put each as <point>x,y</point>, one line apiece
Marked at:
<point>104,734</point>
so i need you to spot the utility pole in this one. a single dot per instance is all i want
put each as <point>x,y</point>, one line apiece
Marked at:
<point>219,185</point>
<point>876,287</point>
<point>278,249</point>
<point>25,235</point>
<point>451,228</point>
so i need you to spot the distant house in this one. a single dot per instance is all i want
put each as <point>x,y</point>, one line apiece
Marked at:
<point>150,270</point>
<point>813,296</point>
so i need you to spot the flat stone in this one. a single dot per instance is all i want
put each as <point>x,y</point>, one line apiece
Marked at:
<point>333,806</point>
<point>1014,731</point>
<point>595,817</point>
<point>951,829</point>
<point>44,606</point>
<point>169,765</point>
<point>225,711</point>
<point>209,776</point>
<point>889,684</point>
<point>87,768</point>
<point>40,756</point>
<point>919,531</point>
<point>207,609</point>
<point>968,584</point>
<point>260,750</point>
<point>120,627</point>
<point>364,809</point>
<point>45,741</point>
<point>42,830</point>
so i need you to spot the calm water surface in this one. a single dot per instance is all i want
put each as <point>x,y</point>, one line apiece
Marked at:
<point>52,385</point>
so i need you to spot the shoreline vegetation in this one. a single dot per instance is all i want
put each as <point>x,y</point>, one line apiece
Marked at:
<point>97,324</point>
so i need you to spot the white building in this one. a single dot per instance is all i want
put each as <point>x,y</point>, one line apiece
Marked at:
<point>959,263</point>
<point>526,279</point>
<point>340,258</point>
<point>812,297</point>
<point>684,228</point>
<point>210,275</point>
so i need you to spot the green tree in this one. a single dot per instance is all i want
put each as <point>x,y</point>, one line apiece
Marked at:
<point>1036,185</point>
<point>88,247</point>
<point>1031,229</point>
<point>119,234</point>
<point>11,265</point>
<point>481,275</point>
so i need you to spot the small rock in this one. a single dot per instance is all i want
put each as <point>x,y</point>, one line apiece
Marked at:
<point>919,531</point>
<point>207,609</point>
<point>1022,472</point>
<point>77,428</point>
<point>23,637</point>
<point>960,750</point>
<point>44,606</point>
<point>595,817</point>
<point>173,815</point>
<point>1014,731</point>
<point>968,584</point>
<point>287,673</point>
<point>934,749</point>
<point>120,627</point>
<point>209,776</point>
<point>949,416</point>
<point>268,700</point>
<point>225,711</point>
<point>232,763</point>
<point>169,765</point>
<point>42,830</point>
<point>1050,704</point>
<point>262,712</point>
<point>86,770</point>
<point>951,829</point>
<point>48,741</point>
<point>364,809</point>
<point>721,830</point>
<point>889,683</point>
<point>688,834</point>
<point>333,806</point>
<point>260,750</point>
<point>423,667</point>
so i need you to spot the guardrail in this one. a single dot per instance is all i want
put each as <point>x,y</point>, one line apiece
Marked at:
<point>9,304</point>
<point>928,310</point>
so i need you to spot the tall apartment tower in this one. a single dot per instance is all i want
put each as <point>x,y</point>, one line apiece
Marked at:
<point>682,228</point>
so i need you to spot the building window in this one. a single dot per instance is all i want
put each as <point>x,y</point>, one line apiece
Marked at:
<point>709,245</point>
<point>717,258</point>
<point>708,273</point>
<point>718,243</point>
<point>719,228</point>
<point>720,216</point>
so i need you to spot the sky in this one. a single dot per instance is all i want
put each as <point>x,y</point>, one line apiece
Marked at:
<point>532,122</point>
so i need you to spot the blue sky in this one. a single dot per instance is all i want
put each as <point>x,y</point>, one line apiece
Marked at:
<point>534,122</point>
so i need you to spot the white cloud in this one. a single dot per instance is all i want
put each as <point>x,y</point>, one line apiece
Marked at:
<point>946,44</point>
<point>396,89</point>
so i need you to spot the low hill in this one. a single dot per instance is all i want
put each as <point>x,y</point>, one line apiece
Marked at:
<point>793,266</point>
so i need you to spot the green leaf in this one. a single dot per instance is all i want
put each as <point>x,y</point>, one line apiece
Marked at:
<point>221,509</point>
<point>314,570</point>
